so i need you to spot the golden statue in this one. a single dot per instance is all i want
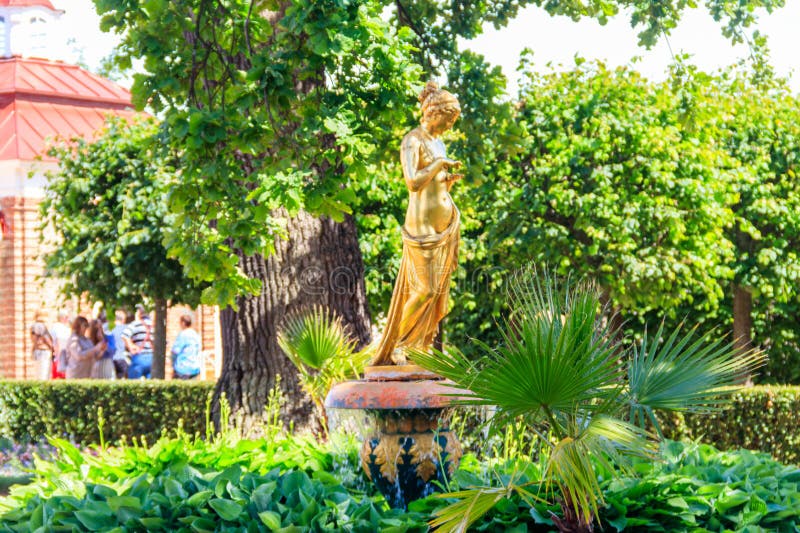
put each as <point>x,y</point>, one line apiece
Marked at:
<point>430,233</point>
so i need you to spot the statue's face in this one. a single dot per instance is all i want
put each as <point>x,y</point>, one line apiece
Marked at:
<point>442,120</point>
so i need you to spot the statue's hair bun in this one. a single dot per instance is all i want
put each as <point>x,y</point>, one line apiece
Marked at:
<point>430,88</point>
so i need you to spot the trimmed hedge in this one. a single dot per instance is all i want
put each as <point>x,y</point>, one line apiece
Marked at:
<point>31,410</point>
<point>763,417</point>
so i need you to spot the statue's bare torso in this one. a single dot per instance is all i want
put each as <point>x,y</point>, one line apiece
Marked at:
<point>430,207</point>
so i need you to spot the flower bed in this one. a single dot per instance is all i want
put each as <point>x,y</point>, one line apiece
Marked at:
<point>186,483</point>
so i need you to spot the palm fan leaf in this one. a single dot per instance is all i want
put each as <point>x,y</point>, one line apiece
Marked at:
<point>472,504</point>
<point>314,337</point>
<point>554,354</point>
<point>570,466</point>
<point>685,372</point>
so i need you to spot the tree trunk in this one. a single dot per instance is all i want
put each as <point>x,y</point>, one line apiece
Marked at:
<point>613,315</point>
<point>157,370</point>
<point>742,322</point>
<point>320,263</point>
<point>742,319</point>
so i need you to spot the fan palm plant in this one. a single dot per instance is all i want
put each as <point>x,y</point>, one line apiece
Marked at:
<point>588,395</point>
<point>318,344</point>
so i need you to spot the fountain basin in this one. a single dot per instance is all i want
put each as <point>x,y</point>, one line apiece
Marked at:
<point>409,450</point>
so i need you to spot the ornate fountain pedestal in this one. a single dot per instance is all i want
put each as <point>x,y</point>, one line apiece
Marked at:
<point>410,446</point>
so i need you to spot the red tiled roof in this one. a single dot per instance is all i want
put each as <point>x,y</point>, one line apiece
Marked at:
<point>41,99</point>
<point>43,77</point>
<point>26,3</point>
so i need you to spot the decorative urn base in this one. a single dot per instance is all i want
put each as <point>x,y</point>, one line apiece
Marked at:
<point>410,450</point>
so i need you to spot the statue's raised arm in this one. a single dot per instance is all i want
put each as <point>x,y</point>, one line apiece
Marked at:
<point>430,233</point>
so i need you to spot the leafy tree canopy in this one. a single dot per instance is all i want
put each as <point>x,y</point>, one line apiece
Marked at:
<point>272,107</point>
<point>104,216</point>
<point>667,194</point>
<point>609,181</point>
<point>294,104</point>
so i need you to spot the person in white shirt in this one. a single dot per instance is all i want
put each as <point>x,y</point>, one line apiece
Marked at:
<point>42,346</point>
<point>61,330</point>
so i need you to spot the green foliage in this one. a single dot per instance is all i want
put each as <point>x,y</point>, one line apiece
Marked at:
<point>759,418</point>
<point>666,194</point>
<point>466,18</point>
<point>187,484</point>
<point>558,370</point>
<point>317,343</point>
<point>31,410</point>
<point>608,183</point>
<point>757,122</point>
<point>696,486</point>
<point>683,374</point>
<point>104,217</point>
<point>689,487</point>
<point>271,109</point>
<point>763,135</point>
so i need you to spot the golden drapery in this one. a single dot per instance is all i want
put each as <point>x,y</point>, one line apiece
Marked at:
<point>421,292</point>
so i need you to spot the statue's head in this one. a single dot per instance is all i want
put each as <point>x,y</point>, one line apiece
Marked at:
<point>440,108</point>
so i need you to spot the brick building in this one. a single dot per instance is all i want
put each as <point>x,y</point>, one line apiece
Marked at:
<point>41,99</point>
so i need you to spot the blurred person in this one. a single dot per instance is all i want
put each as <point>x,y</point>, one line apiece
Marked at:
<point>43,348</point>
<point>81,351</point>
<point>121,357</point>
<point>104,366</point>
<point>186,360</point>
<point>138,340</point>
<point>61,331</point>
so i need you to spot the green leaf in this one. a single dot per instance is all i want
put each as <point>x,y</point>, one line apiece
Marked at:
<point>95,520</point>
<point>226,509</point>
<point>115,502</point>
<point>271,519</point>
<point>199,499</point>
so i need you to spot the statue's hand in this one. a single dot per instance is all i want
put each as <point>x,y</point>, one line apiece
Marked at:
<point>447,177</point>
<point>448,163</point>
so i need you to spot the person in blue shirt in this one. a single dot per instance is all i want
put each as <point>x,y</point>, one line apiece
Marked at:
<point>186,359</point>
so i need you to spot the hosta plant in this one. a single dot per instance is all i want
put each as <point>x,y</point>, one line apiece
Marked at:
<point>590,395</point>
<point>318,344</point>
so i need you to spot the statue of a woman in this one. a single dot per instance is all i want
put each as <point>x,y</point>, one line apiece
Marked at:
<point>430,233</point>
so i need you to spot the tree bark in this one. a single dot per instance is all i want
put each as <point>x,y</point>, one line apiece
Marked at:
<point>320,263</point>
<point>157,370</point>
<point>613,315</point>
<point>742,319</point>
<point>743,323</point>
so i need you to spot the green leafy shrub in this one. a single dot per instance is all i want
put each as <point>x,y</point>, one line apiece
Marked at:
<point>186,498</point>
<point>317,342</point>
<point>763,418</point>
<point>558,372</point>
<point>30,410</point>
<point>698,488</point>
<point>187,484</point>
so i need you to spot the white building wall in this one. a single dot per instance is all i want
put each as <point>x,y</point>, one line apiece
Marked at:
<point>31,32</point>
<point>24,179</point>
